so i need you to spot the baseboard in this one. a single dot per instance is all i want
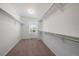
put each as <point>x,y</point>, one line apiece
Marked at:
<point>32,39</point>
<point>48,47</point>
<point>11,47</point>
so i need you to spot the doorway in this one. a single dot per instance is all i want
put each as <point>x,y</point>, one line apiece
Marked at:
<point>33,29</point>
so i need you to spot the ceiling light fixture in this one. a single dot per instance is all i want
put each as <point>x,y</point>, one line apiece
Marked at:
<point>31,11</point>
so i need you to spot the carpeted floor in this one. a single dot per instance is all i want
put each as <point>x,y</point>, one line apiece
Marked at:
<point>30,47</point>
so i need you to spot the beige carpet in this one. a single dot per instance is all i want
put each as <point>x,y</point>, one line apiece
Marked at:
<point>30,47</point>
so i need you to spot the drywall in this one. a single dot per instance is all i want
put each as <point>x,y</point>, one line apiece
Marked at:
<point>9,32</point>
<point>59,45</point>
<point>7,7</point>
<point>64,21</point>
<point>25,28</point>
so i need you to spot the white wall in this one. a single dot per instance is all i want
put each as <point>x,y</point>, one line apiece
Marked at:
<point>65,22</point>
<point>60,46</point>
<point>10,10</point>
<point>25,28</point>
<point>9,33</point>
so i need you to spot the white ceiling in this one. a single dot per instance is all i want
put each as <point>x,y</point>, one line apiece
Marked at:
<point>33,10</point>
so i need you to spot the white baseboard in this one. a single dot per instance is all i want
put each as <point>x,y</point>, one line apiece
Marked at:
<point>7,51</point>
